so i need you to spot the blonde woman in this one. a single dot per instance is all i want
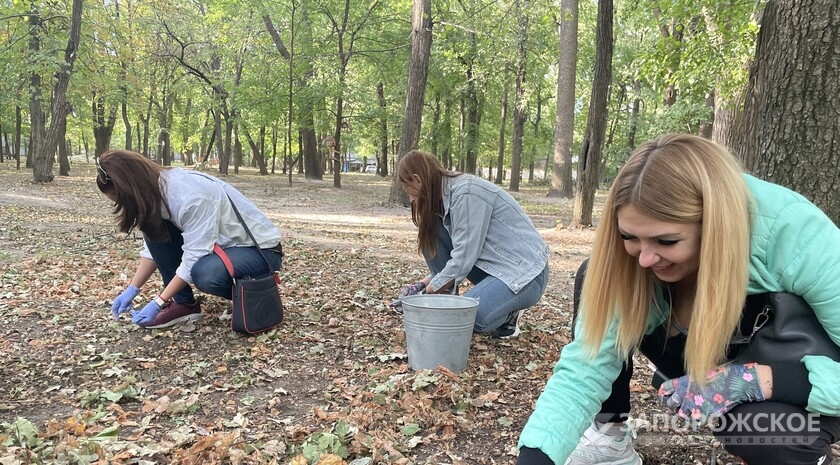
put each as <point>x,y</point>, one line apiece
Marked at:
<point>684,238</point>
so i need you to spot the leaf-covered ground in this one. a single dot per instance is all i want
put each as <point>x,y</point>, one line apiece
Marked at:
<point>331,385</point>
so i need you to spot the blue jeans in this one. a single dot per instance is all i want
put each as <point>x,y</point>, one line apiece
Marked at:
<point>495,300</point>
<point>209,274</point>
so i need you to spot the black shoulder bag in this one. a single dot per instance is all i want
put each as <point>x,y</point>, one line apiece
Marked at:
<point>779,327</point>
<point>256,301</point>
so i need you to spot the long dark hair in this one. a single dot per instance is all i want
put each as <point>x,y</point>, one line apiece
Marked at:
<point>133,182</point>
<point>427,211</point>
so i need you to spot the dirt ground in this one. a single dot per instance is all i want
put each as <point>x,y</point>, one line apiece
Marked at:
<point>331,385</point>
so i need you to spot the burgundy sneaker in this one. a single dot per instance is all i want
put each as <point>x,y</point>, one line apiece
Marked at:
<point>175,313</point>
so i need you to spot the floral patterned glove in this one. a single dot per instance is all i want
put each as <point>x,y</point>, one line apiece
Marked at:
<point>411,289</point>
<point>726,387</point>
<point>405,291</point>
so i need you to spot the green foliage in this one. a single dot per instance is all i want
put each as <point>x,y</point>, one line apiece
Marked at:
<point>334,441</point>
<point>100,397</point>
<point>168,62</point>
<point>20,432</point>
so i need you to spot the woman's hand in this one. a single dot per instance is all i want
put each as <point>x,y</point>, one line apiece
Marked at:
<point>146,316</point>
<point>123,301</point>
<point>411,289</point>
<point>725,387</point>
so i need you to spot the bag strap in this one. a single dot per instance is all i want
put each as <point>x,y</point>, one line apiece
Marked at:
<point>226,260</point>
<point>244,225</point>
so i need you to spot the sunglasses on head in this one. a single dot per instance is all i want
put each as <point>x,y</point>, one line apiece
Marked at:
<point>101,175</point>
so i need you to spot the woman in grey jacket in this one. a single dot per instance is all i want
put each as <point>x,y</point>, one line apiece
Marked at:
<point>472,229</point>
<point>684,239</point>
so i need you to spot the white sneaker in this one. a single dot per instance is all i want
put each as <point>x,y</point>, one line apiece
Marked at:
<point>598,447</point>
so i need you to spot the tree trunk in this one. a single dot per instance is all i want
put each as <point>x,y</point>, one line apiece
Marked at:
<point>42,168</point>
<point>103,125</point>
<point>237,148</point>
<point>446,134</point>
<point>126,125</point>
<point>726,115</point>
<point>435,126</point>
<point>500,159</point>
<point>537,120</point>
<point>217,139</point>
<point>63,149</point>
<point>520,102</point>
<point>44,155</point>
<point>339,117</point>
<point>227,151</point>
<point>164,120</point>
<point>382,163</point>
<point>672,41</point>
<point>564,122</point>
<point>593,141</point>
<point>634,114</point>
<point>418,72</point>
<point>706,126</point>
<point>472,113</point>
<point>258,153</point>
<point>790,124</point>
<point>18,133</point>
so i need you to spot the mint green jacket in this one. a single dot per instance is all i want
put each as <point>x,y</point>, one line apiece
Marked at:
<point>794,247</point>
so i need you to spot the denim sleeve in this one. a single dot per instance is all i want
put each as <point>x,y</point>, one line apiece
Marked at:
<point>469,221</point>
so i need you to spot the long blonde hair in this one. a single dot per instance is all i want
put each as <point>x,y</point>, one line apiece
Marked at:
<point>678,178</point>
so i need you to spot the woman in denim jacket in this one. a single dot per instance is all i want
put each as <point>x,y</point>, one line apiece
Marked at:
<point>471,228</point>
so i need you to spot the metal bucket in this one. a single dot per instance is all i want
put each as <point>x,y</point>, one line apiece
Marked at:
<point>438,330</point>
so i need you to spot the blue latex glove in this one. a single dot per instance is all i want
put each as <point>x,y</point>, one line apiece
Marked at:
<point>147,315</point>
<point>123,301</point>
<point>726,387</point>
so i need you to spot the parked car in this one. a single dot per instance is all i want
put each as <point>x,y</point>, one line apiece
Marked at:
<point>370,169</point>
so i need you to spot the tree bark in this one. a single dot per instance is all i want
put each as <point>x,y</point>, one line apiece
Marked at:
<point>790,133</point>
<point>472,112</point>
<point>418,71</point>
<point>42,168</point>
<point>18,133</point>
<point>382,163</point>
<point>45,153</point>
<point>103,124</point>
<point>564,122</point>
<point>500,159</point>
<point>593,141</point>
<point>63,149</point>
<point>520,110</point>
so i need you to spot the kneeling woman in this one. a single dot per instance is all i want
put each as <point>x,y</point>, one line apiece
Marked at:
<point>182,214</point>
<point>471,228</point>
<point>684,240</point>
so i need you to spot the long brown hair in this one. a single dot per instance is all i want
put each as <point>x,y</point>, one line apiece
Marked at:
<point>427,211</point>
<point>677,178</point>
<point>134,183</point>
